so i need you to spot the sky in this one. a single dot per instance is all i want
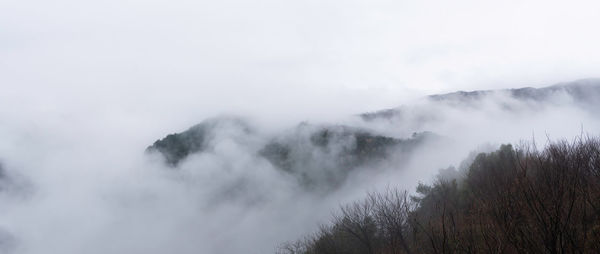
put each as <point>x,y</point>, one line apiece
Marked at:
<point>86,86</point>
<point>270,57</point>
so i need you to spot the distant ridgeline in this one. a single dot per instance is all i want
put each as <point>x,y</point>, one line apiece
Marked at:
<point>324,154</point>
<point>315,155</point>
<point>582,93</point>
<point>586,90</point>
<point>176,147</point>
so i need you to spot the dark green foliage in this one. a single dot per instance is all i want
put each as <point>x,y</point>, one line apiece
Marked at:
<point>366,145</point>
<point>370,146</point>
<point>175,147</point>
<point>178,146</point>
<point>324,156</point>
<point>320,157</point>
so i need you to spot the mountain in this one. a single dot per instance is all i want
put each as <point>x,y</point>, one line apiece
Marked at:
<point>324,155</point>
<point>318,156</point>
<point>176,147</point>
<point>582,92</point>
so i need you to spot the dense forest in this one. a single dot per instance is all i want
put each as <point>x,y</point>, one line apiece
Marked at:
<point>318,157</point>
<point>513,200</point>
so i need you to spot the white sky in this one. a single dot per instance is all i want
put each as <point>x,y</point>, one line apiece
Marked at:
<point>86,86</point>
<point>181,59</point>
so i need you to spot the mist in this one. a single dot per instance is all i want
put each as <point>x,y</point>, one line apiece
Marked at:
<point>87,189</point>
<point>87,86</point>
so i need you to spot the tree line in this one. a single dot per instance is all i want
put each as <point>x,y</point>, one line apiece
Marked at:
<point>512,200</point>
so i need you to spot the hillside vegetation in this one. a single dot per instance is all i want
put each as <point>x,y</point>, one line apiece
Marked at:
<point>513,200</point>
<point>318,157</point>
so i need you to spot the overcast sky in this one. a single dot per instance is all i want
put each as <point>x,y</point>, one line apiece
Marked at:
<point>86,86</point>
<point>183,60</point>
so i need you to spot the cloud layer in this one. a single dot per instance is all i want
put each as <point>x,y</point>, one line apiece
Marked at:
<point>86,86</point>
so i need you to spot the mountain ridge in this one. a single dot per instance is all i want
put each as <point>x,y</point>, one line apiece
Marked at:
<point>583,92</point>
<point>323,155</point>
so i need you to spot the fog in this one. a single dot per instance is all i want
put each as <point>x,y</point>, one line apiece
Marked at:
<point>87,86</point>
<point>87,189</point>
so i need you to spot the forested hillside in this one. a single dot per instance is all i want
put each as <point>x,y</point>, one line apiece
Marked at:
<point>513,200</point>
<point>319,157</point>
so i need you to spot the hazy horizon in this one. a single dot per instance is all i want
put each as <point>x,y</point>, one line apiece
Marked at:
<point>86,86</point>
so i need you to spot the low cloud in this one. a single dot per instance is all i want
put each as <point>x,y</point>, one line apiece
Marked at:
<point>97,193</point>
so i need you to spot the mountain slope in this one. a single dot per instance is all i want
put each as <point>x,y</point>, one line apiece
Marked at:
<point>318,156</point>
<point>583,93</point>
<point>324,155</point>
